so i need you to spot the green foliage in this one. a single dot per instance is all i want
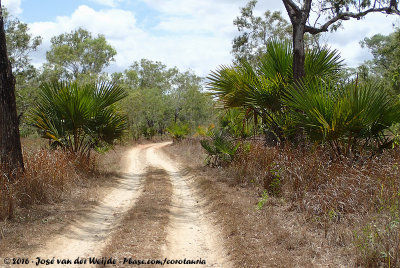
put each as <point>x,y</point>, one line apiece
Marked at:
<point>255,32</point>
<point>259,90</point>
<point>386,58</point>
<point>264,198</point>
<point>221,148</point>
<point>201,131</point>
<point>78,53</point>
<point>349,117</point>
<point>160,96</point>
<point>20,44</point>
<point>235,122</point>
<point>149,74</point>
<point>178,131</point>
<point>79,118</point>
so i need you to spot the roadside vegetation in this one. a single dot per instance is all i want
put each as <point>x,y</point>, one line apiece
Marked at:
<point>325,145</point>
<point>75,112</point>
<point>309,139</point>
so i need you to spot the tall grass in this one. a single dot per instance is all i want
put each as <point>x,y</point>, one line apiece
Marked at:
<point>362,197</point>
<point>47,175</point>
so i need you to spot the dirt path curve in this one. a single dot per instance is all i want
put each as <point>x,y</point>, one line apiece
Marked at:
<point>189,236</point>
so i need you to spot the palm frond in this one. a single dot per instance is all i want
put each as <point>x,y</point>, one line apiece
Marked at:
<point>79,117</point>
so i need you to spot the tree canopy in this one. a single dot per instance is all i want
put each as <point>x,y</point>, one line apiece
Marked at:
<point>386,59</point>
<point>79,53</point>
<point>256,31</point>
<point>160,97</point>
<point>20,43</point>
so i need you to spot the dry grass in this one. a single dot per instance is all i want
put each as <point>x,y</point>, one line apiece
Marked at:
<point>356,204</point>
<point>143,231</point>
<point>188,150</point>
<point>54,189</point>
<point>47,175</point>
<point>349,213</point>
<point>50,173</point>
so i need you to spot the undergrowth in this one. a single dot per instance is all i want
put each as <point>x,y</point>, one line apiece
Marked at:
<point>47,175</point>
<point>360,198</point>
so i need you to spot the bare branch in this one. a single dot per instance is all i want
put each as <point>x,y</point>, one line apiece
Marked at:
<point>307,6</point>
<point>347,16</point>
<point>292,5</point>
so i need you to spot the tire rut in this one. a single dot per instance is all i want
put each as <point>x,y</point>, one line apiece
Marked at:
<point>86,236</point>
<point>185,233</point>
<point>143,230</point>
<point>190,235</point>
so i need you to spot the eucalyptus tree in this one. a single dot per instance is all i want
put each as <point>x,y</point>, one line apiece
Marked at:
<point>256,31</point>
<point>189,102</point>
<point>152,74</point>
<point>20,44</point>
<point>386,59</point>
<point>328,15</point>
<point>78,53</point>
<point>160,97</point>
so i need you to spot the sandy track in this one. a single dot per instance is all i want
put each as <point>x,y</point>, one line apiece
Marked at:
<point>86,236</point>
<point>189,235</point>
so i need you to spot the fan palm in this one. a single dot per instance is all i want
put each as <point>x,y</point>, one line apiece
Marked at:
<point>347,116</point>
<point>79,118</point>
<point>221,148</point>
<point>261,88</point>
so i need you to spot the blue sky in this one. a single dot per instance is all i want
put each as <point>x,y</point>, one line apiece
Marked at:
<point>46,10</point>
<point>189,34</point>
<point>49,10</point>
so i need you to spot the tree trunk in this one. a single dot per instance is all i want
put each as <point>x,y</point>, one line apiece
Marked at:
<point>298,16</point>
<point>10,144</point>
<point>298,52</point>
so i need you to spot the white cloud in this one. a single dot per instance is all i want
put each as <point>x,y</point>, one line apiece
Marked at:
<point>190,50</point>
<point>347,39</point>
<point>13,6</point>
<point>179,7</point>
<point>189,34</point>
<point>201,17</point>
<point>109,3</point>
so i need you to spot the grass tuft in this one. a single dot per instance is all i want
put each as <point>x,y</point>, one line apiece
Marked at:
<point>47,175</point>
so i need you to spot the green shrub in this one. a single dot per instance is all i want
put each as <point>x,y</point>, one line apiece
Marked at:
<point>79,118</point>
<point>350,117</point>
<point>263,200</point>
<point>235,122</point>
<point>258,88</point>
<point>178,131</point>
<point>221,148</point>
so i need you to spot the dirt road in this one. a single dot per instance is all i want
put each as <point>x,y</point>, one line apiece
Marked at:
<point>189,235</point>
